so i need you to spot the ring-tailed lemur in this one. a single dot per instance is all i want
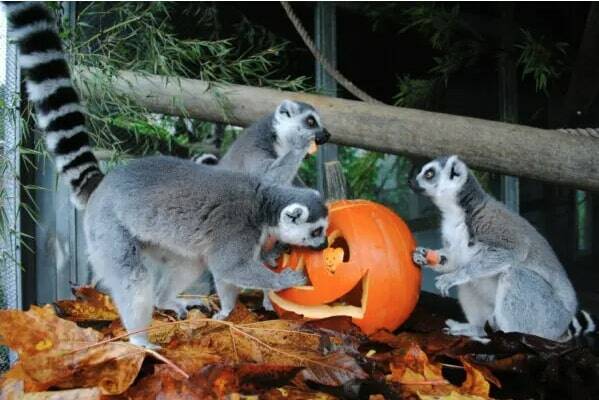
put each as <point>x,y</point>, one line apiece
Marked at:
<point>153,225</point>
<point>506,272</point>
<point>269,143</point>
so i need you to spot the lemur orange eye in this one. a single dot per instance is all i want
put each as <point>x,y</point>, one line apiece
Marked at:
<point>429,174</point>
<point>311,122</point>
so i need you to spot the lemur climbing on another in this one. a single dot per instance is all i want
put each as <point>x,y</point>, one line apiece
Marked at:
<point>266,145</point>
<point>153,225</point>
<point>505,271</point>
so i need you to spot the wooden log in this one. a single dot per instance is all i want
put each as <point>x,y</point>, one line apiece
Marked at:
<point>335,187</point>
<point>542,154</point>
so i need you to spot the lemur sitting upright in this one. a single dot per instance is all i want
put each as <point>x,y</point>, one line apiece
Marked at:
<point>505,271</point>
<point>267,143</point>
<point>154,224</point>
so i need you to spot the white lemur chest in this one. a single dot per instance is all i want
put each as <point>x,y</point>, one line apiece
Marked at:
<point>455,235</point>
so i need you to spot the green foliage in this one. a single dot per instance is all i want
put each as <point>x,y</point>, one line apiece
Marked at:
<point>541,60</point>
<point>414,93</point>
<point>142,37</point>
<point>457,47</point>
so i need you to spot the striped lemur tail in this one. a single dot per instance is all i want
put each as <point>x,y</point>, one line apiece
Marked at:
<point>60,114</point>
<point>582,324</point>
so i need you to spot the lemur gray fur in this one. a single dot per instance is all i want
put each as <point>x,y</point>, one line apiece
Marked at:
<point>268,143</point>
<point>268,140</point>
<point>505,271</point>
<point>154,224</point>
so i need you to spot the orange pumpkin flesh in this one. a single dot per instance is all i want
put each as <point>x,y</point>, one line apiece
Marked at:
<point>366,273</point>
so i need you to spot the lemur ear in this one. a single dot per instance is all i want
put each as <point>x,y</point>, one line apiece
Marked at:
<point>458,168</point>
<point>295,214</point>
<point>287,108</point>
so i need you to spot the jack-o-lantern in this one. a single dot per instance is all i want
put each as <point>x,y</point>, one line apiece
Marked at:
<point>365,273</point>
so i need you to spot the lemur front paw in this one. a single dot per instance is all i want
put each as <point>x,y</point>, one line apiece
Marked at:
<point>447,281</point>
<point>290,278</point>
<point>271,256</point>
<point>302,141</point>
<point>419,256</point>
<point>428,257</point>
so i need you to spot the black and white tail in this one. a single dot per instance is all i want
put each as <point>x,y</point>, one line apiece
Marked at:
<point>50,88</point>
<point>582,324</point>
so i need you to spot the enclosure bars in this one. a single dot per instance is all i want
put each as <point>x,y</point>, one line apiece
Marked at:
<point>325,34</point>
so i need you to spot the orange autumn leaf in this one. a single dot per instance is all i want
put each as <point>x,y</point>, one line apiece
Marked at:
<point>54,352</point>
<point>89,305</point>
<point>13,389</point>
<point>421,377</point>
<point>476,382</point>
<point>213,382</point>
<point>414,368</point>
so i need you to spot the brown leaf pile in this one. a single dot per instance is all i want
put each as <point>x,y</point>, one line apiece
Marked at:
<point>253,356</point>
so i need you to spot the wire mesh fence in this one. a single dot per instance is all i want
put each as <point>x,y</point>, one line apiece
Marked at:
<point>10,273</point>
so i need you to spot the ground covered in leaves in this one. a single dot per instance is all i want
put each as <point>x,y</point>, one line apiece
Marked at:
<point>77,349</point>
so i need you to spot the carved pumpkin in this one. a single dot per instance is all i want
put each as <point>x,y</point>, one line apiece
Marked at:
<point>366,273</point>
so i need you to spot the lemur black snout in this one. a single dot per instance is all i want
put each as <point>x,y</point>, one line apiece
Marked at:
<point>322,136</point>
<point>322,246</point>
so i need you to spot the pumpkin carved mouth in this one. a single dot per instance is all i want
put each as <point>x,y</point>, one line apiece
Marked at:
<point>352,304</point>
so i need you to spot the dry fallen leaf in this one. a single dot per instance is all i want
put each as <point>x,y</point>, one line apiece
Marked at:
<point>276,342</point>
<point>56,352</point>
<point>13,389</point>
<point>419,376</point>
<point>89,305</point>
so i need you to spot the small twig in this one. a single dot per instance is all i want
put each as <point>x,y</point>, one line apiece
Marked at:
<point>167,362</point>
<point>233,344</point>
<point>452,366</point>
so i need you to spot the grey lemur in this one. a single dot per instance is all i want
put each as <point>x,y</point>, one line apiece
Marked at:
<point>154,224</point>
<point>267,144</point>
<point>505,271</point>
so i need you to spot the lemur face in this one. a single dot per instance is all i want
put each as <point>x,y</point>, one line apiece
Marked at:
<point>297,118</point>
<point>297,228</point>
<point>441,178</point>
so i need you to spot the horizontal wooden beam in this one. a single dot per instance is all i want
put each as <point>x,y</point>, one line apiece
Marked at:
<point>542,154</point>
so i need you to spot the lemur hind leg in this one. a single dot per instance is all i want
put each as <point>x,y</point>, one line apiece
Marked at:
<point>526,303</point>
<point>176,275</point>
<point>227,293</point>
<point>477,302</point>
<point>115,255</point>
